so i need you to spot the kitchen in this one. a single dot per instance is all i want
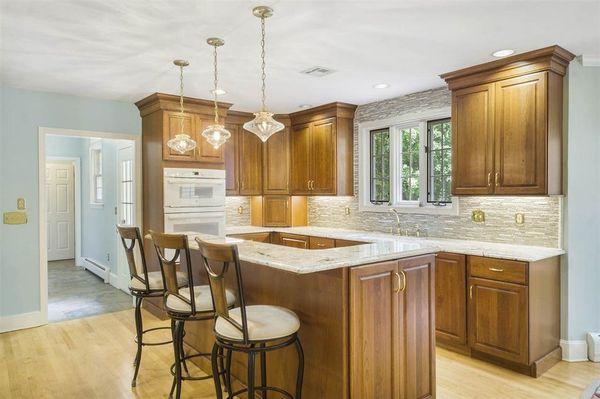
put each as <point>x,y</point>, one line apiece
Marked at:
<point>421,243</point>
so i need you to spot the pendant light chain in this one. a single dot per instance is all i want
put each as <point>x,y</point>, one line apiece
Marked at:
<point>262,57</point>
<point>181,98</point>
<point>216,81</point>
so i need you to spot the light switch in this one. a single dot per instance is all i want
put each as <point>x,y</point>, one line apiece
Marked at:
<point>15,217</point>
<point>21,204</point>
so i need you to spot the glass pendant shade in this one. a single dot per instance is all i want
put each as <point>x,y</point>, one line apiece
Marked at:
<point>263,125</point>
<point>181,143</point>
<point>216,135</point>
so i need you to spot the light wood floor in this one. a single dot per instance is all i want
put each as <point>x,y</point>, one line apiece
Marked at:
<point>92,358</point>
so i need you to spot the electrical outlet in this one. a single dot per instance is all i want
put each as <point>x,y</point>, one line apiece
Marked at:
<point>520,218</point>
<point>347,210</point>
<point>240,210</point>
<point>21,204</point>
<point>478,216</point>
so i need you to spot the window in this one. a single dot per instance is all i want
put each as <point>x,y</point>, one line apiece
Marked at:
<point>127,192</point>
<point>380,166</point>
<point>96,188</point>
<point>406,163</point>
<point>439,161</point>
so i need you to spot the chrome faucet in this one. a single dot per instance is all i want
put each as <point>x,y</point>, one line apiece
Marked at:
<point>395,212</point>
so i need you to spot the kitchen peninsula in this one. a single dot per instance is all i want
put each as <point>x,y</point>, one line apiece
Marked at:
<point>367,305</point>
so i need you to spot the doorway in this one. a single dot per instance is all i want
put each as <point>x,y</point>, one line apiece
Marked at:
<point>89,184</point>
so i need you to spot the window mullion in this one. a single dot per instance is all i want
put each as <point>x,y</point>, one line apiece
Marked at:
<point>395,165</point>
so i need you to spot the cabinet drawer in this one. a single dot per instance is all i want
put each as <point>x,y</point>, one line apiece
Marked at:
<point>321,243</point>
<point>294,240</point>
<point>498,269</point>
<point>259,237</point>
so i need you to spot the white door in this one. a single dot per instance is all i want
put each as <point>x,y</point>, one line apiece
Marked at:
<point>125,205</point>
<point>60,198</point>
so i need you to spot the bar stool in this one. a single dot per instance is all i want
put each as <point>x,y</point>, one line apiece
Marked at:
<point>192,303</point>
<point>255,329</point>
<point>142,284</point>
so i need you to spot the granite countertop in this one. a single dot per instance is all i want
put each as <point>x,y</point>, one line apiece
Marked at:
<point>379,247</point>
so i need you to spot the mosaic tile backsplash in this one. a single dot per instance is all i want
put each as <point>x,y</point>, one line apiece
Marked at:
<point>231,211</point>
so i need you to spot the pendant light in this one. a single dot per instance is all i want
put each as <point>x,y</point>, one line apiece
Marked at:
<point>216,134</point>
<point>182,142</point>
<point>263,124</point>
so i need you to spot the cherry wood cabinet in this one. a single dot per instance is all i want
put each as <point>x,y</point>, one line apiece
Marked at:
<point>347,243</point>
<point>277,211</point>
<point>392,318</point>
<point>291,240</point>
<point>498,319</point>
<point>258,237</point>
<point>507,124</point>
<point>173,126</point>
<point>321,242</point>
<point>232,160</point>
<point>276,163</point>
<point>451,300</point>
<point>322,150</point>
<point>250,155</point>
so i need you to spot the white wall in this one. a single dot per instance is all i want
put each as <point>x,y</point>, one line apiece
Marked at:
<point>581,266</point>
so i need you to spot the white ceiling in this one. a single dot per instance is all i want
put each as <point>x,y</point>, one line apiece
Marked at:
<point>122,49</point>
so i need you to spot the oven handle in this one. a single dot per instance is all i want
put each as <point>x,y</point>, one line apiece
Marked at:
<point>210,182</point>
<point>195,217</point>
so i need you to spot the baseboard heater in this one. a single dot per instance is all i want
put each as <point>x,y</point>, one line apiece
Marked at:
<point>99,270</point>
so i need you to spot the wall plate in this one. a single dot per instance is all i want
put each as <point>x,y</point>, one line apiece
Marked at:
<point>15,218</point>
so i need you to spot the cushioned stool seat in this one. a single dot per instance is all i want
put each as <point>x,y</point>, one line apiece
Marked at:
<point>203,300</point>
<point>155,281</point>
<point>264,322</point>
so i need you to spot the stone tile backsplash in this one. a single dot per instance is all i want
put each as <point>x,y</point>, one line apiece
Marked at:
<point>231,211</point>
<point>542,219</point>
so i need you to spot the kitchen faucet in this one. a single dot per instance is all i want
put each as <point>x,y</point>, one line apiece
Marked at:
<point>395,212</point>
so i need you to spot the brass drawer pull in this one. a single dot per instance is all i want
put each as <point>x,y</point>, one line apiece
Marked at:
<point>312,184</point>
<point>495,269</point>
<point>308,184</point>
<point>320,245</point>
<point>401,282</point>
<point>497,178</point>
<point>397,285</point>
<point>489,179</point>
<point>471,292</point>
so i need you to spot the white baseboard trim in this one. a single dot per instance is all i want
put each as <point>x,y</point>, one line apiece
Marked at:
<point>80,262</point>
<point>98,269</point>
<point>21,321</point>
<point>574,350</point>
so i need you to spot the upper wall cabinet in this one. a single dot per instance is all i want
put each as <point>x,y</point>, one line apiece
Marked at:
<point>161,121</point>
<point>276,162</point>
<point>507,124</point>
<point>322,150</point>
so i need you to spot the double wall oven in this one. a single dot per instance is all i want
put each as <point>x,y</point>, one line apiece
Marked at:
<point>194,200</point>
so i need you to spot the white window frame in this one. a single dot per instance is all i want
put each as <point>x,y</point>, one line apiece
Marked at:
<point>95,146</point>
<point>395,124</point>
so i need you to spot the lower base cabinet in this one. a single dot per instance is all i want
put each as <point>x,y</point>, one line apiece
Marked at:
<point>502,311</point>
<point>392,343</point>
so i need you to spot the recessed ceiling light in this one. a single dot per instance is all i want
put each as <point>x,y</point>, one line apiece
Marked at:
<point>381,86</point>
<point>218,92</point>
<point>304,106</point>
<point>503,53</point>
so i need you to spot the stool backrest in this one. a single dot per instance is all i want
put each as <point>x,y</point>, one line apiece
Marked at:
<point>133,235</point>
<point>223,255</point>
<point>170,248</point>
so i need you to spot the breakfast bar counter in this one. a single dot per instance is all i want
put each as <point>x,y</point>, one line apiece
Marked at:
<point>366,313</point>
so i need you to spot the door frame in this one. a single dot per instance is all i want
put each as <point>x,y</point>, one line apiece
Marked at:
<point>76,162</point>
<point>122,280</point>
<point>42,133</point>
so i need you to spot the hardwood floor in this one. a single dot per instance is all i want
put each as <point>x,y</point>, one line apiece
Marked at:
<point>92,358</point>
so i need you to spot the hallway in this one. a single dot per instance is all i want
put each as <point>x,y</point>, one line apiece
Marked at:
<point>74,292</point>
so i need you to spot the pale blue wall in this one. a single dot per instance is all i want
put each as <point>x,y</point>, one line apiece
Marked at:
<point>581,271</point>
<point>22,113</point>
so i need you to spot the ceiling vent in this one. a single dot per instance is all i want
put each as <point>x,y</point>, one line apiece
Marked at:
<point>317,71</point>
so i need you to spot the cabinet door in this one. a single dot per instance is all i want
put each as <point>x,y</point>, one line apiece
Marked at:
<point>322,157</point>
<point>416,320</point>
<point>521,126</point>
<point>205,152</point>
<point>375,370</point>
<point>276,163</point>
<point>451,298</point>
<point>498,319</point>
<point>276,211</point>
<point>473,140</point>
<point>250,164</point>
<point>300,157</point>
<point>232,166</point>
<point>321,242</point>
<point>172,127</point>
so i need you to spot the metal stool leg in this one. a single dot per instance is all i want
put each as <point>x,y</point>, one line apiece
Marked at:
<point>250,382</point>
<point>139,334</point>
<point>228,374</point>
<point>300,375</point>
<point>263,372</point>
<point>173,332</point>
<point>215,371</point>
<point>176,350</point>
<point>181,349</point>
<point>222,366</point>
